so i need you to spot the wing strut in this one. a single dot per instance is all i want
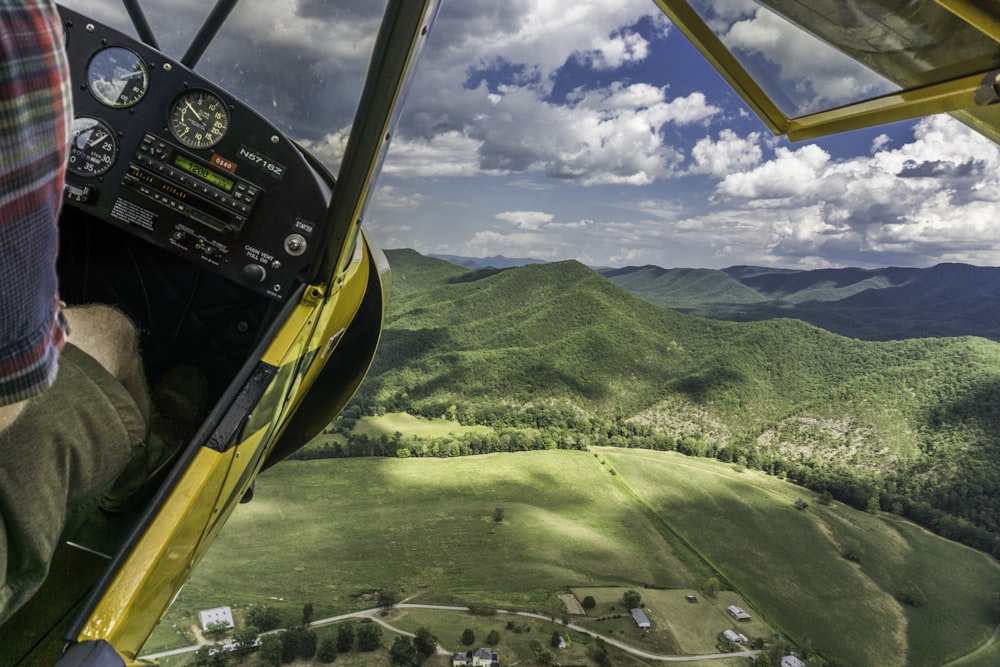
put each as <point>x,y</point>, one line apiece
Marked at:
<point>213,22</point>
<point>140,23</point>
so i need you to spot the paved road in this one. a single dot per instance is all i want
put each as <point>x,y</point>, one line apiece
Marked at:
<point>372,614</point>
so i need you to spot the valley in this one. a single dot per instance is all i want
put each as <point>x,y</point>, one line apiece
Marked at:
<point>538,431</point>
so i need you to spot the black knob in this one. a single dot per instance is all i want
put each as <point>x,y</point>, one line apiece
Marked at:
<point>254,273</point>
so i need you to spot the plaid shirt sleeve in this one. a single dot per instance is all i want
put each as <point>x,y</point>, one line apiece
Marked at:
<point>35,112</point>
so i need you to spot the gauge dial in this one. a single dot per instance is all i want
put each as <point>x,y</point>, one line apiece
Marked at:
<point>117,77</point>
<point>93,149</point>
<point>198,119</point>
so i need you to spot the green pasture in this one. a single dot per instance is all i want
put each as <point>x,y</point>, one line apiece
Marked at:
<point>787,562</point>
<point>691,628</point>
<point>412,427</point>
<point>325,532</point>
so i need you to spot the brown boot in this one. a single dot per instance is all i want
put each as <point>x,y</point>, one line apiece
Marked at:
<point>178,408</point>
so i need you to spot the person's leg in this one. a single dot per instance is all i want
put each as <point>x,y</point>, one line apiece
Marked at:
<point>60,455</point>
<point>108,336</point>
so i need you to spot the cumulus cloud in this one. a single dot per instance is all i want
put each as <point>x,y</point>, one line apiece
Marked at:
<point>612,135</point>
<point>525,219</point>
<point>394,198</point>
<point>727,154</point>
<point>792,173</point>
<point>615,51</point>
<point>448,154</point>
<point>493,83</point>
<point>929,200</point>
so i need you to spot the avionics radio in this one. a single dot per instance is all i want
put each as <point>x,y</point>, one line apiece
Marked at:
<point>186,184</point>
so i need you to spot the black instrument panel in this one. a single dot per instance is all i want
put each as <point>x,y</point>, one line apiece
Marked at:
<point>161,152</point>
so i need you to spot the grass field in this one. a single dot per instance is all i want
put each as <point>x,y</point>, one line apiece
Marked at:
<point>322,532</point>
<point>788,562</point>
<point>413,427</point>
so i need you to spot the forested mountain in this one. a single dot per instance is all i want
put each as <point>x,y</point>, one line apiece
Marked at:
<point>562,353</point>
<point>871,304</point>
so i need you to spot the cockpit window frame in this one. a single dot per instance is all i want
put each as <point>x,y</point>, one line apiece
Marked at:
<point>957,95</point>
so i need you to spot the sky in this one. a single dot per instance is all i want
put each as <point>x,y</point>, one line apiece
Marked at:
<point>594,131</point>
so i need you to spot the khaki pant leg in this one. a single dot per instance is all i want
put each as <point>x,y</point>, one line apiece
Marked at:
<point>64,450</point>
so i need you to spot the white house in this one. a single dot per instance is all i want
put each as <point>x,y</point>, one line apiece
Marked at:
<point>481,657</point>
<point>791,661</point>
<point>215,615</point>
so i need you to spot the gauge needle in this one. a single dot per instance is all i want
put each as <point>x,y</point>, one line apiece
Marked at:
<point>191,108</point>
<point>101,136</point>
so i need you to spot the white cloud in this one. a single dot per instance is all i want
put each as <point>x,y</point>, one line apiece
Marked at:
<point>930,200</point>
<point>791,174</point>
<point>613,52</point>
<point>394,198</point>
<point>448,154</point>
<point>613,135</point>
<point>491,81</point>
<point>525,219</point>
<point>730,153</point>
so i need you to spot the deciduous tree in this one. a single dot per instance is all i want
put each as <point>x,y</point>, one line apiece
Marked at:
<point>425,642</point>
<point>632,599</point>
<point>369,636</point>
<point>403,653</point>
<point>263,617</point>
<point>327,652</point>
<point>345,637</point>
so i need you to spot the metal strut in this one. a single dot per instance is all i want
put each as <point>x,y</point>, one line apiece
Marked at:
<point>140,23</point>
<point>213,22</point>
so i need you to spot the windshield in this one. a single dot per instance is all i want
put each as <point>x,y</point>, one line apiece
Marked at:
<point>301,65</point>
<point>885,47</point>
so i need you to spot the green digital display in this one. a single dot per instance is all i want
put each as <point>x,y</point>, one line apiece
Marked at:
<point>203,173</point>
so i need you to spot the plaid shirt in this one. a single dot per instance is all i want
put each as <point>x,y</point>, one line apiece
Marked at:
<point>35,112</point>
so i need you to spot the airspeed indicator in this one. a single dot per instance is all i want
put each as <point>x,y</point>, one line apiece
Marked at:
<point>198,119</point>
<point>93,148</point>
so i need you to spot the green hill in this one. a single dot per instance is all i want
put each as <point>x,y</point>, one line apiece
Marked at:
<point>683,288</point>
<point>907,425</point>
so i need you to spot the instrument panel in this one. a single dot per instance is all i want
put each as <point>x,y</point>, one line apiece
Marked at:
<point>162,153</point>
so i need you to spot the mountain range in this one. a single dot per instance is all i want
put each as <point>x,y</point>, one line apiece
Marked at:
<point>907,425</point>
<point>870,304</point>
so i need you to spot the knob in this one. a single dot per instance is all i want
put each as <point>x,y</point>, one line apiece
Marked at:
<point>254,273</point>
<point>295,245</point>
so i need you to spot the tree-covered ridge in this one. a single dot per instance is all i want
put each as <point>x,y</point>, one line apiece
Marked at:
<point>559,350</point>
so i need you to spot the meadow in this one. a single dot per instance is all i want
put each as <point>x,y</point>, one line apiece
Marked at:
<point>326,532</point>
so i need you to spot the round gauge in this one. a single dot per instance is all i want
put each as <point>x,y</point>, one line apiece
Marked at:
<point>93,148</point>
<point>117,77</point>
<point>198,119</point>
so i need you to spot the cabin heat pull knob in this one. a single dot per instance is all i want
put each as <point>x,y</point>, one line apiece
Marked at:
<point>254,274</point>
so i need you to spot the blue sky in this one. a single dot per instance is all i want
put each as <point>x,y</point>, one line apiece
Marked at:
<point>595,131</point>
